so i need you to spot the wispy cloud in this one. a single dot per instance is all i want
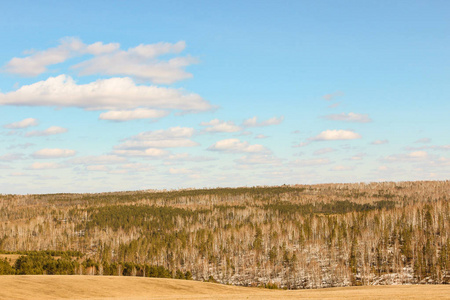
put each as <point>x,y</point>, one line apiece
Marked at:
<point>49,131</point>
<point>236,146</point>
<point>136,114</point>
<point>45,166</point>
<point>333,135</point>
<point>53,153</point>
<point>25,123</point>
<point>141,62</point>
<point>350,117</point>
<point>169,138</point>
<point>380,142</point>
<point>217,125</point>
<point>423,141</point>
<point>253,122</point>
<point>37,62</point>
<point>331,96</point>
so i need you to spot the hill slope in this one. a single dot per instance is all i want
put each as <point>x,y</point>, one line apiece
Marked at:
<point>106,287</point>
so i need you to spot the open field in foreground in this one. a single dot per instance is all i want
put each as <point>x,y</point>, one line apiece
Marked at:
<point>106,287</point>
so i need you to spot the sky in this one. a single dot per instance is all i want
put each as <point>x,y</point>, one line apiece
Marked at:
<point>99,96</point>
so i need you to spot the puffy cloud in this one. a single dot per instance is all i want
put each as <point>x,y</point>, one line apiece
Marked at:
<point>37,62</point>
<point>49,131</point>
<point>253,122</point>
<point>329,97</point>
<point>103,94</point>
<point>380,142</point>
<point>53,153</point>
<point>261,136</point>
<point>127,115</point>
<point>141,62</point>
<point>217,125</point>
<point>45,166</point>
<point>235,145</point>
<point>169,138</point>
<point>28,122</point>
<point>333,135</point>
<point>350,117</point>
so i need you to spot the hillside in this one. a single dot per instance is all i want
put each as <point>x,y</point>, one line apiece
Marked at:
<point>130,288</point>
<point>295,237</point>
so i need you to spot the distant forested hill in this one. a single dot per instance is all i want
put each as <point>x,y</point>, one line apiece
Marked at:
<point>305,236</point>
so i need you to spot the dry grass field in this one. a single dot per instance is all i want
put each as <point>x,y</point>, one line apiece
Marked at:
<point>105,287</point>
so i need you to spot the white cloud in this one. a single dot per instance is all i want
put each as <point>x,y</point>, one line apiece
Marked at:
<point>358,156</point>
<point>37,62</point>
<point>412,156</point>
<point>21,146</point>
<point>380,142</point>
<point>169,138</point>
<point>333,135</point>
<point>28,122</point>
<point>261,136</point>
<point>53,153</point>
<point>187,157</point>
<point>137,167</point>
<point>418,154</point>
<point>97,168</point>
<point>150,152</point>
<point>11,156</point>
<point>127,115</point>
<point>179,171</point>
<point>49,131</point>
<point>323,151</point>
<point>141,62</point>
<point>423,140</point>
<point>258,159</point>
<point>341,168</point>
<point>350,117</point>
<point>217,125</point>
<point>45,166</point>
<point>329,97</point>
<point>235,145</point>
<point>302,144</point>
<point>311,162</point>
<point>103,94</point>
<point>98,160</point>
<point>334,105</point>
<point>253,122</point>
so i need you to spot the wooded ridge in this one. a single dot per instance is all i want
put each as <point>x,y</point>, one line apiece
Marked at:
<point>302,236</point>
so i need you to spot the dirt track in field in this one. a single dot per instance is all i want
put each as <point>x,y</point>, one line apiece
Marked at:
<point>106,287</point>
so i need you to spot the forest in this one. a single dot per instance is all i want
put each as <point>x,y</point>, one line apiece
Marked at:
<point>292,237</point>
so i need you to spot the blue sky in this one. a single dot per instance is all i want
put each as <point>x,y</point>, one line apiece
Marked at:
<point>129,95</point>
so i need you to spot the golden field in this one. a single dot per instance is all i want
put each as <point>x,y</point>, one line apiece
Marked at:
<point>114,287</point>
